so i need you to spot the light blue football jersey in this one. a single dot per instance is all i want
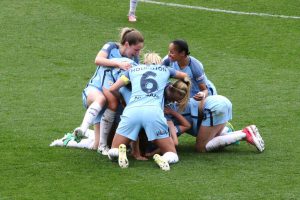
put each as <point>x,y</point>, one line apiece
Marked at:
<point>195,71</point>
<point>106,76</point>
<point>216,110</point>
<point>148,84</point>
<point>113,51</point>
<point>190,113</point>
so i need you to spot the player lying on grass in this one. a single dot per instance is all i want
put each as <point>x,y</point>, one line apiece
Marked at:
<point>145,110</point>
<point>208,119</point>
<point>69,140</point>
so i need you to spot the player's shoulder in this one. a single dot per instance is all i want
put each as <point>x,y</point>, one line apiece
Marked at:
<point>194,62</point>
<point>110,45</point>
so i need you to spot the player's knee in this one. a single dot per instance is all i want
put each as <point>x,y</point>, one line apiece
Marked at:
<point>113,105</point>
<point>101,100</point>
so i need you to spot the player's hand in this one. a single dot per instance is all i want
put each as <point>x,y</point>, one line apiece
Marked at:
<point>199,96</point>
<point>187,80</point>
<point>168,110</point>
<point>124,65</point>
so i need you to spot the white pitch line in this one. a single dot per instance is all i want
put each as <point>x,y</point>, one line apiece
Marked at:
<point>219,10</point>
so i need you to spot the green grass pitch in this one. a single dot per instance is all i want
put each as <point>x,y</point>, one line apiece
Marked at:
<point>47,56</point>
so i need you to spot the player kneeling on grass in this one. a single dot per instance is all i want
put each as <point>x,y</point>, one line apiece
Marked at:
<point>145,110</point>
<point>208,119</point>
<point>110,62</point>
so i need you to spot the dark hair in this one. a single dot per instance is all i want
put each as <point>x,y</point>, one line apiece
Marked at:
<point>131,35</point>
<point>181,46</point>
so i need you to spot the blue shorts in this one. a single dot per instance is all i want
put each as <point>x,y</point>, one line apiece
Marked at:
<point>194,110</point>
<point>151,118</point>
<point>217,110</point>
<point>104,77</point>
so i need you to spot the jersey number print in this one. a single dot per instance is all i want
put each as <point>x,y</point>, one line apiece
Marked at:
<point>148,84</point>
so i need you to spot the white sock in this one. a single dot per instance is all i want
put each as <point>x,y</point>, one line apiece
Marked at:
<point>171,157</point>
<point>90,134</point>
<point>107,121</point>
<point>224,131</point>
<point>90,115</point>
<point>224,140</point>
<point>133,4</point>
<point>113,153</point>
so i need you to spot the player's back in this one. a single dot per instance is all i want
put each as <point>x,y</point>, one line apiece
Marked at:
<point>148,83</point>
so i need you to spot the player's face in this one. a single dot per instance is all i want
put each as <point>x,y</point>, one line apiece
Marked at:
<point>174,55</point>
<point>134,50</point>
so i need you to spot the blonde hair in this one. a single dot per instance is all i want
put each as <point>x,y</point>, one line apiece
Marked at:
<point>131,35</point>
<point>152,59</point>
<point>182,88</point>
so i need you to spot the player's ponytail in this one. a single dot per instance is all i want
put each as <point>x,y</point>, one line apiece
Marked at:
<point>130,35</point>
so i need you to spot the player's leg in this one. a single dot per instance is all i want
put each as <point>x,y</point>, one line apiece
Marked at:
<point>118,150</point>
<point>132,9</point>
<point>206,134</point>
<point>253,137</point>
<point>107,121</point>
<point>205,141</point>
<point>136,150</point>
<point>168,150</point>
<point>86,143</point>
<point>95,101</point>
<point>96,135</point>
<point>249,134</point>
<point>127,130</point>
<point>209,137</point>
<point>227,129</point>
<point>69,140</point>
<point>216,112</point>
<point>108,118</point>
<point>157,131</point>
